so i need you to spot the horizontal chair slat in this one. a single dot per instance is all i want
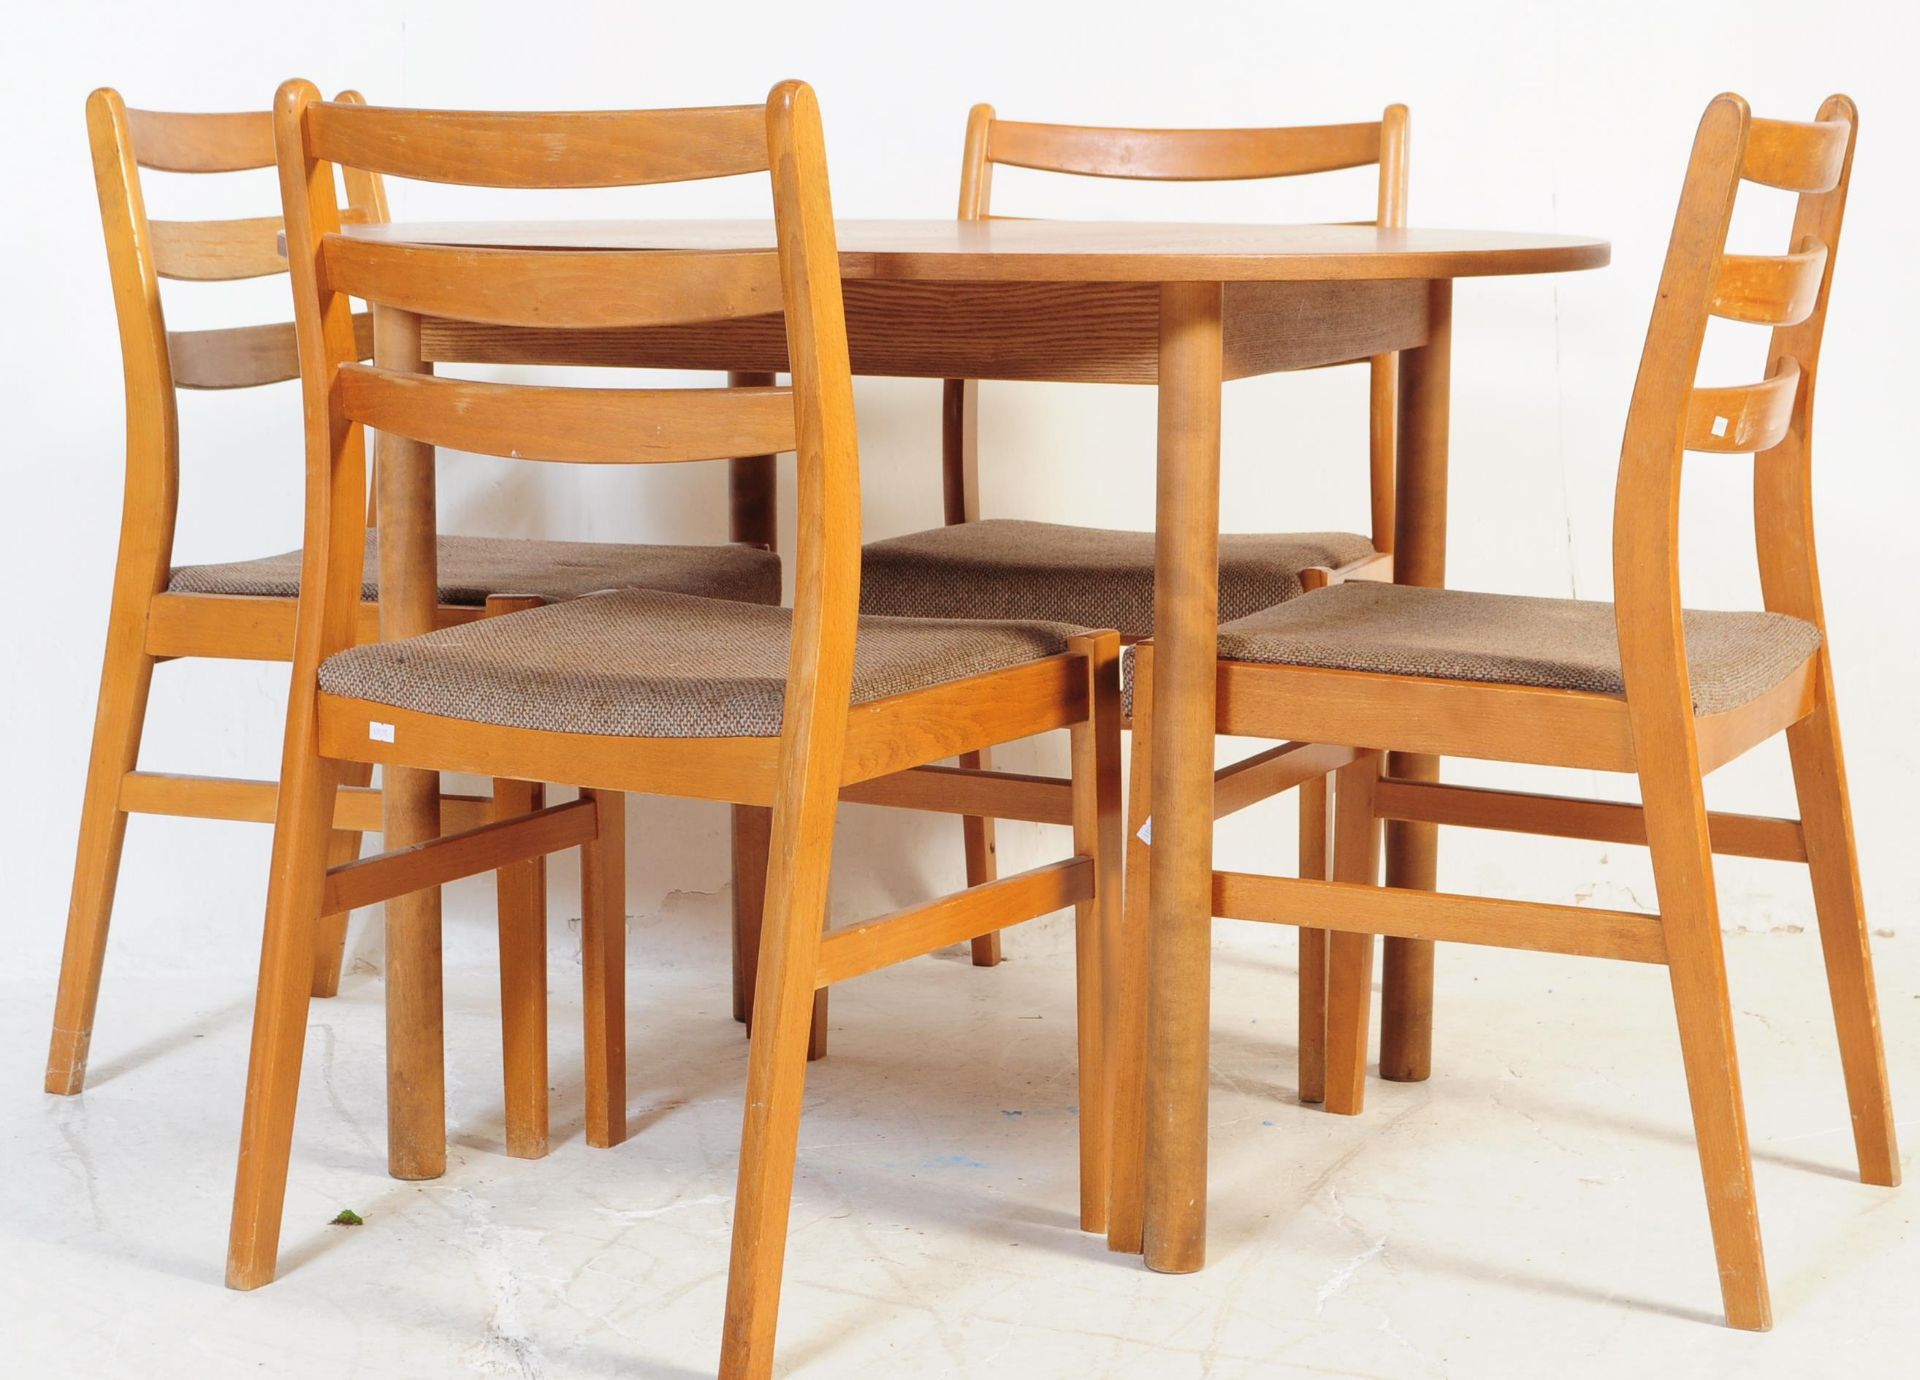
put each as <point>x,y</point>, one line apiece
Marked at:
<point>217,251</point>
<point>612,148</point>
<point>576,290</point>
<point>1796,156</point>
<point>1746,418</point>
<point>246,356</point>
<point>1186,155</point>
<point>171,142</point>
<point>1356,908</point>
<point>1770,289</point>
<point>607,426</point>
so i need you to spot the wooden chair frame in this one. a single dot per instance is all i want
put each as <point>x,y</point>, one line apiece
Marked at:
<point>1190,155</point>
<point>1652,731</point>
<point>824,746</point>
<point>149,623</point>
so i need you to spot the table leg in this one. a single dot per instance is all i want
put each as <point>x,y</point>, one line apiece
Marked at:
<point>409,595</point>
<point>1419,558</point>
<point>753,485</point>
<point>1180,926</point>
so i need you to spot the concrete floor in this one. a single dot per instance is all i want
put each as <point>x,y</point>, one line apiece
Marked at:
<point>1534,1209</point>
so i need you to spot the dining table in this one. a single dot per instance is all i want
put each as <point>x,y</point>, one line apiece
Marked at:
<point>1180,307</point>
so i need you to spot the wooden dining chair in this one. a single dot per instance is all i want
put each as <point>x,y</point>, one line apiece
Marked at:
<point>638,690</point>
<point>977,567</point>
<point>245,609</point>
<point>1637,686</point>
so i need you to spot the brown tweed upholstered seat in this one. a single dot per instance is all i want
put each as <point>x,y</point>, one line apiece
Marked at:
<point>471,568</point>
<point>1002,568</point>
<point>645,664</point>
<point>1560,644</point>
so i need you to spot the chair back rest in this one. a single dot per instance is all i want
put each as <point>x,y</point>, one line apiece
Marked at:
<point>141,251</point>
<point>1187,155</point>
<point>1771,420</point>
<point>561,291</point>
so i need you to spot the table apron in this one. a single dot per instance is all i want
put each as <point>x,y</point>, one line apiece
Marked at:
<point>1059,332</point>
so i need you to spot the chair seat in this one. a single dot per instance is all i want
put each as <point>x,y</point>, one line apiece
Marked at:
<point>1559,644</point>
<point>471,568</point>
<point>645,664</point>
<point>1002,568</point>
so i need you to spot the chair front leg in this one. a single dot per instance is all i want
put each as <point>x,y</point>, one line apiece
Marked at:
<point>603,968</point>
<point>1696,964</point>
<point>1315,864</point>
<point>983,861</point>
<point>1096,835</point>
<point>303,820</point>
<point>1127,988</point>
<point>521,905</point>
<point>330,940</point>
<point>118,719</point>
<point>1356,858</point>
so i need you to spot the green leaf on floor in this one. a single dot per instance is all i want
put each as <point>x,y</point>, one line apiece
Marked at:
<point>348,1218</point>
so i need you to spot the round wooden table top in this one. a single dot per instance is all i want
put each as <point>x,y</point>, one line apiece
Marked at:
<point>1065,250</point>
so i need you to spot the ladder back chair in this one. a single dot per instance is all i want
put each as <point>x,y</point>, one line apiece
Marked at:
<point>245,609</point>
<point>638,690</point>
<point>978,567</point>
<point>1637,686</point>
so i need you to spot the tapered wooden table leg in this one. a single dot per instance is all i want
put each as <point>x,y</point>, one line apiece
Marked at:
<point>1180,924</point>
<point>1419,558</point>
<point>409,594</point>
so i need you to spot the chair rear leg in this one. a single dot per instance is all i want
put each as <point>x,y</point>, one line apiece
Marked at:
<point>603,968</point>
<point>1690,919</point>
<point>983,862</point>
<point>330,941</point>
<point>296,877</point>
<point>752,837</point>
<point>1096,835</point>
<point>1820,778</point>
<point>1356,858</point>
<point>521,892</point>
<point>118,719</point>
<point>1314,838</point>
<point>752,828</point>
<point>1127,989</point>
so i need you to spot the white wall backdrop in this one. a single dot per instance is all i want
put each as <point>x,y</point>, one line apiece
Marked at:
<point>1526,115</point>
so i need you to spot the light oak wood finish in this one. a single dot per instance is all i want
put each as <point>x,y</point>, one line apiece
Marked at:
<point>146,624</point>
<point>1652,730</point>
<point>149,623</point>
<point>943,325</point>
<point>790,784</point>
<point>1266,324</point>
<point>1189,154</point>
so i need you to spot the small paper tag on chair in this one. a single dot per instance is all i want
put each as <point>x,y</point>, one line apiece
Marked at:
<point>1146,831</point>
<point>379,732</point>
